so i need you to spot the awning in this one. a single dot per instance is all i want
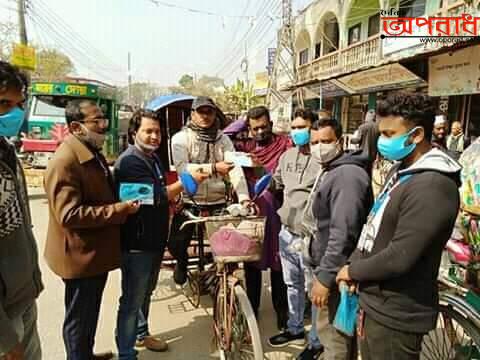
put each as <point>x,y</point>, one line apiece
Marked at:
<point>386,77</point>
<point>165,100</point>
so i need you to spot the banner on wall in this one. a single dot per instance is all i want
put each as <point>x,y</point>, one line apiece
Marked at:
<point>455,73</point>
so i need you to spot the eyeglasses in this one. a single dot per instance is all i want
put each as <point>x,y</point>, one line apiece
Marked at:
<point>98,122</point>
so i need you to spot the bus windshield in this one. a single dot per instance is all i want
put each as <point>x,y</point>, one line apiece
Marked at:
<point>51,106</point>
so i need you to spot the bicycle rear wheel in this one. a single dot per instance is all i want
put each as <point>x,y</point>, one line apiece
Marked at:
<point>455,338</point>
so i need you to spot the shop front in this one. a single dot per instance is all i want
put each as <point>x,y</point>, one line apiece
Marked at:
<point>454,77</point>
<point>366,87</point>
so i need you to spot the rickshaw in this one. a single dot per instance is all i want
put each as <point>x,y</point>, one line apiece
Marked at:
<point>174,112</point>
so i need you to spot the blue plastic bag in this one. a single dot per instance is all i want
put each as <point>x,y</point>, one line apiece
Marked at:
<point>346,316</point>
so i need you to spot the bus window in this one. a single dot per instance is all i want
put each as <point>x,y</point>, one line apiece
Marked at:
<point>49,106</point>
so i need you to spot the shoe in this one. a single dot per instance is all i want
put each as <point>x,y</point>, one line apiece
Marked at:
<point>310,353</point>
<point>286,338</point>
<point>103,356</point>
<point>180,274</point>
<point>153,344</point>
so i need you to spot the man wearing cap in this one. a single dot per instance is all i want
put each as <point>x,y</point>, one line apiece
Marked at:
<point>201,145</point>
<point>440,131</point>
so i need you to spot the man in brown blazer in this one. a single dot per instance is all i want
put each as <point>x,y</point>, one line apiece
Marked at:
<point>83,241</point>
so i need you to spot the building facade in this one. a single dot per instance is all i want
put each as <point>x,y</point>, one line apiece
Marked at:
<point>345,64</point>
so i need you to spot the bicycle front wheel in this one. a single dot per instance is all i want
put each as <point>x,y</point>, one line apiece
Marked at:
<point>246,341</point>
<point>455,338</point>
<point>236,329</point>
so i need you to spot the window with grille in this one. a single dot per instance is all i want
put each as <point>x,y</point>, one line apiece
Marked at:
<point>374,25</point>
<point>303,57</point>
<point>412,8</point>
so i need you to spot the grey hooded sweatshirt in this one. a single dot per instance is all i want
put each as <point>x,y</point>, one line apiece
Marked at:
<point>295,175</point>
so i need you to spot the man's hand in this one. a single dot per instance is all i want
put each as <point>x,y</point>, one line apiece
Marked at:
<point>132,206</point>
<point>200,176</point>
<point>320,294</point>
<point>253,209</point>
<point>255,161</point>
<point>343,275</point>
<point>15,354</point>
<point>223,168</point>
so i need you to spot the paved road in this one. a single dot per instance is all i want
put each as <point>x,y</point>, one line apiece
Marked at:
<point>187,330</point>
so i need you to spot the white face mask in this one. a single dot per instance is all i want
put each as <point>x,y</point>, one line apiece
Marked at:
<point>145,147</point>
<point>94,139</point>
<point>324,153</point>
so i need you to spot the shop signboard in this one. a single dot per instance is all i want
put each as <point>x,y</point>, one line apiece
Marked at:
<point>24,57</point>
<point>385,77</point>
<point>456,73</point>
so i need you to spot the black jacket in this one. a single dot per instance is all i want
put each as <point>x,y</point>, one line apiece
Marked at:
<point>341,204</point>
<point>147,230</point>
<point>398,278</point>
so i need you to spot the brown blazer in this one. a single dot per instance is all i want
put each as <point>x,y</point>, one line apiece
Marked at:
<point>83,237</point>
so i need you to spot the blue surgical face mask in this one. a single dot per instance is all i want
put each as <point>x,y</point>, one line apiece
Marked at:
<point>300,137</point>
<point>11,122</point>
<point>395,148</point>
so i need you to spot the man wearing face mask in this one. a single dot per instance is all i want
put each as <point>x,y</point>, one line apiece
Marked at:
<point>295,176</point>
<point>201,145</point>
<point>20,278</point>
<point>398,255</point>
<point>266,149</point>
<point>341,199</point>
<point>83,239</point>
<point>144,235</point>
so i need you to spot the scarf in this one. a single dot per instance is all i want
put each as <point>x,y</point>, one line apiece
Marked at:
<point>209,135</point>
<point>269,154</point>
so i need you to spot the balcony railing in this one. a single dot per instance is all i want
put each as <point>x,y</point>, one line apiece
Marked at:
<point>326,65</point>
<point>366,53</point>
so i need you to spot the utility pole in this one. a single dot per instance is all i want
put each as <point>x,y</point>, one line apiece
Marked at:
<point>285,57</point>
<point>129,79</point>
<point>21,22</point>
<point>244,67</point>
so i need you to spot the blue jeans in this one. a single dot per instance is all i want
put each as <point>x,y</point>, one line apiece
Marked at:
<point>294,276</point>
<point>313,339</point>
<point>139,278</point>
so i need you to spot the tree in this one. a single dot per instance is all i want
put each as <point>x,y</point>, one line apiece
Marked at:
<point>238,98</point>
<point>141,93</point>
<point>211,82</point>
<point>186,81</point>
<point>53,65</point>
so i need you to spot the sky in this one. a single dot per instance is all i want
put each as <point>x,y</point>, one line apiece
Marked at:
<point>165,42</point>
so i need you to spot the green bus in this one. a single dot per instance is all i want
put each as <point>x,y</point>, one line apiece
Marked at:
<point>46,117</point>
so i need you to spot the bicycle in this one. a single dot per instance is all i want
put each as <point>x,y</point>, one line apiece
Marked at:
<point>235,328</point>
<point>457,335</point>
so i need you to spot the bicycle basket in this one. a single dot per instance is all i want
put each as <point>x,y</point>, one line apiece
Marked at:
<point>236,239</point>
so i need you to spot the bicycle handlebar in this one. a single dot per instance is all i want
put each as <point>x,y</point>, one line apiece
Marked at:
<point>202,219</point>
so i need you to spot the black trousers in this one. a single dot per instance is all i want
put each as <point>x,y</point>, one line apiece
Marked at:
<point>179,240</point>
<point>382,343</point>
<point>253,278</point>
<point>83,298</point>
